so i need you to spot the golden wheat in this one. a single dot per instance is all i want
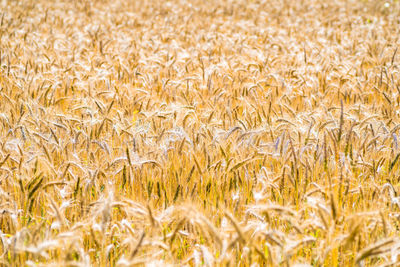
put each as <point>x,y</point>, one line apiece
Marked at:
<point>199,133</point>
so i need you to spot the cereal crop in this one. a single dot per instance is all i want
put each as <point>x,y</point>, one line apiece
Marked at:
<point>199,133</point>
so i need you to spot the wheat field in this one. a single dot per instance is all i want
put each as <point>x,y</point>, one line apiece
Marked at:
<point>199,133</point>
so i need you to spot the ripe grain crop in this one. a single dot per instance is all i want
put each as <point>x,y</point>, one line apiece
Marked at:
<point>199,133</point>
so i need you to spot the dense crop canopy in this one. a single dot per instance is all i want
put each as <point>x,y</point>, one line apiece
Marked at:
<point>199,133</point>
